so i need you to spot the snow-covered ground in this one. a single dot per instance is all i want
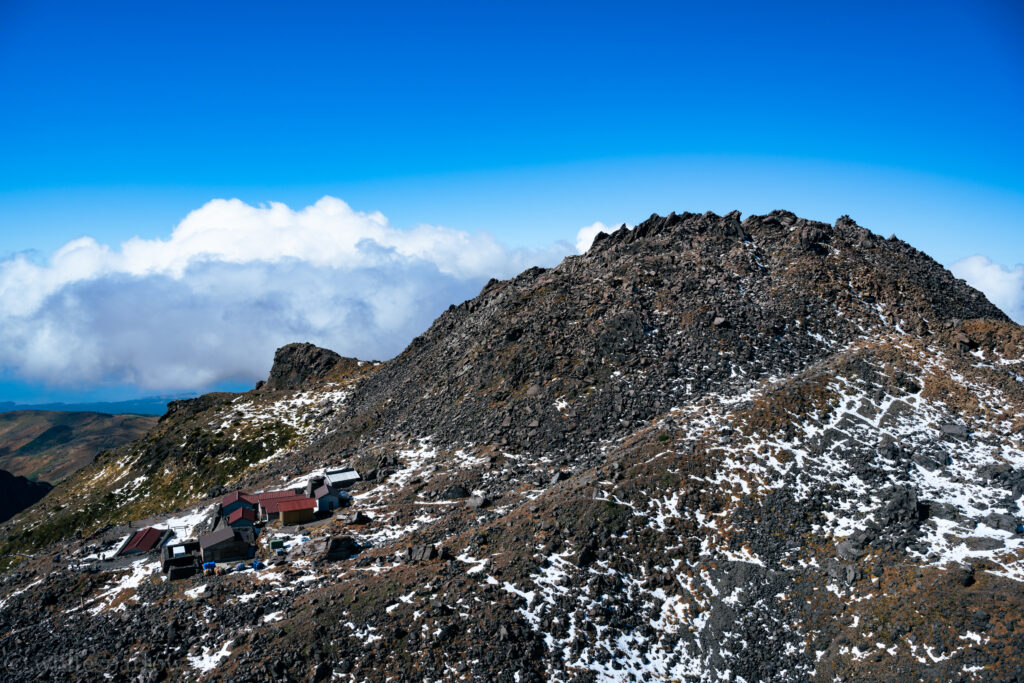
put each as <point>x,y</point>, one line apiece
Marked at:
<point>123,585</point>
<point>185,526</point>
<point>210,658</point>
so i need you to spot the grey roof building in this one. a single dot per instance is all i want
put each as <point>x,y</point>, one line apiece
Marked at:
<point>227,544</point>
<point>342,478</point>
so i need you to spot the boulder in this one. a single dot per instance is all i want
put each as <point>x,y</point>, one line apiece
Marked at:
<point>418,553</point>
<point>1003,522</point>
<point>477,502</point>
<point>297,364</point>
<point>585,557</point>
<point>559,475</point>
<point>455,492</point>
<point>848,550</point>
<point>357,517</point>
<point>964,575</point>
<point>953,430</point>
<point>341,548</point>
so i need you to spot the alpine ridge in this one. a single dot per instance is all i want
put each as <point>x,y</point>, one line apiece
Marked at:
<point>708,449</point>
<point>692,303</point>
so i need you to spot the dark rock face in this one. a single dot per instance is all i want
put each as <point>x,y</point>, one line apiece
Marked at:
<point>341,548</point>
<point>299,364</point>
<point>423,553</point>
<point>18,493</point>
<point>680,305</point>
<point>455,492</point>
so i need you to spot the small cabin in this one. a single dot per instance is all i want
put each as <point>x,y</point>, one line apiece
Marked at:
<point>312,485</point>
<point>144,541</point>
<point>341,478</point>
<point>263,498</point>
<point>228,544</point>
<point>180,560</point>
<point>298,511</point>
<point>270,509</point>
<point>326,498</point>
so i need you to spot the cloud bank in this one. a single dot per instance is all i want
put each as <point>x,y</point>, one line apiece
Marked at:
<point>1003,286</point>
<point>232,283</point>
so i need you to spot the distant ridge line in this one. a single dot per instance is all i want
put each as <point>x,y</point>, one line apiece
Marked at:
<point>156,405</point>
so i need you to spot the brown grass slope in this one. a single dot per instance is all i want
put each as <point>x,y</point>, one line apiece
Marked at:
<point>50,445</point>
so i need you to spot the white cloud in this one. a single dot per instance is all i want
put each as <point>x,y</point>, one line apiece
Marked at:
<point>585,236</point>
<point>1003,286</point>
<point>232,283</point>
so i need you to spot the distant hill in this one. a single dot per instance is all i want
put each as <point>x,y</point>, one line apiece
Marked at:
<point>50,445</point>
<point>152,405</point>
<point>17,493</point>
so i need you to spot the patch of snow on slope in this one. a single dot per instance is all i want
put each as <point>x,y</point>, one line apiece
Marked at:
<point>209,660</point>
<point>129,581</point>
<point>185,526</point>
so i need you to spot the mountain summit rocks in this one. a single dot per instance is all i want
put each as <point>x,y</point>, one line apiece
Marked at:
<point>710,448</point>
<point>649,318</point>
<point>298,364</point>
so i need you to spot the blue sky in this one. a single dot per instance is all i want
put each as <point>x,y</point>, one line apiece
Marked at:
<point>520,121</point>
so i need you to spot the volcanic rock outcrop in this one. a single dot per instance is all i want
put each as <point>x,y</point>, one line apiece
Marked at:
<point>708,449</point>
<point>697,303</point>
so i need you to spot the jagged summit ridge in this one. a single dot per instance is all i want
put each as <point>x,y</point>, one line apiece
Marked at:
<point>809,232</point>
<point>728,225</point>
<point>655,316</point>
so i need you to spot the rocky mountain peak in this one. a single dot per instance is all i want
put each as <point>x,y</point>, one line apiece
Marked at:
<point>679,305</point>
<point>710,448</point>
<point>297,365</point>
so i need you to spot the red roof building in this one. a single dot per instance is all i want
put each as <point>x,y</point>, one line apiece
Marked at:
<point>235,500</point>
<point>145,540</point>
<point>242,517</point>
<point>262,498</point>
<point>236,496</point>
<point>297,504</point>
<point>273,506</point>
<point>297,511</point>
